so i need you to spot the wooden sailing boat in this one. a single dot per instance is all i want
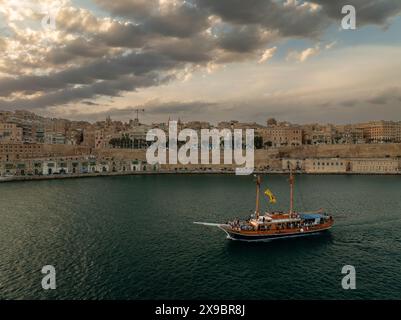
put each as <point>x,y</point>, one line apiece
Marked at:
<point>273,225</point>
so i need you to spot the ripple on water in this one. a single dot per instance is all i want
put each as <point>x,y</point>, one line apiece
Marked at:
<point>133,238</point>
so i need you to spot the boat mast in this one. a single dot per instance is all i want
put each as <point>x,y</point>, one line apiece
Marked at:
<point>291,192</point>
<point>257,196</point>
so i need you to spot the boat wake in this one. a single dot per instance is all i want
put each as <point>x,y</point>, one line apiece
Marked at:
<point>210,224</point>
<point>277,224</point>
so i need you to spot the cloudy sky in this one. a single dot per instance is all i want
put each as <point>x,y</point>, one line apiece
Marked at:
<point>201,59</point>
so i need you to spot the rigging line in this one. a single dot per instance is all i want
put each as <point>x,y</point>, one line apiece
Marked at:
<point>300,196</point>
<point>266,202</point>
<point>332,204</point>
<point>329,202</point>
<point>299,193</point>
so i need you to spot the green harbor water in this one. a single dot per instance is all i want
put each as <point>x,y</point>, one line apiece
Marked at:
<point>133,237</point>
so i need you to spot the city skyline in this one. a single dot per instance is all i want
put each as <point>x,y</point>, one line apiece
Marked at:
<point>24,127</point>
<point>130,116</point>
<point>202,60</point>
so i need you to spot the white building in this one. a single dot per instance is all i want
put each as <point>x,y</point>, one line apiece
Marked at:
<point>49,167</point>
<point>139,165</point>
<point>54,138</point>
<point>384,165</point>
<point>102,166</point>
<point>326,165</point>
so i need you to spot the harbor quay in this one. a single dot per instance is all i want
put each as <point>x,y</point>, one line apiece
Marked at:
<point>35,146</point>
<point>54,161</point>
<point>76,166</point>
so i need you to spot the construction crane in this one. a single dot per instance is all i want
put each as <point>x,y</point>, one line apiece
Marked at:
<point>137,110</point>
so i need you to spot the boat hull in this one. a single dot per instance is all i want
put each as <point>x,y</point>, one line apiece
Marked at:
<point>267,237</point>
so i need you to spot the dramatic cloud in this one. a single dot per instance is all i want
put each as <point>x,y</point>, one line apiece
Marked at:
<point>2,44</point>
<point>90,103</point>
<point>179,108</point>
<point>242,39</point>
<point>187,109</point>
<point>290,18</point>
<point>268,54</point>
<point>302,56</point>
<point>387,96</point>
<point>129,45</point>
<point>368,11</point>
<point>176,18</point>
<point>90,74</point>
<point>74,94</point>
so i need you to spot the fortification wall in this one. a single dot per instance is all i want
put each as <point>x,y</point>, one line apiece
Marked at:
<point>123,154</point>
<point>62,150</point>
<point>270,157</point>
<point>346,151</point>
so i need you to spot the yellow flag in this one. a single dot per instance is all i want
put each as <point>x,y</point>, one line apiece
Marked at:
<point>271,196</point>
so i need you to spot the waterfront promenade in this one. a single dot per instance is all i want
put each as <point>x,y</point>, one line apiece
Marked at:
<point>170,172</point>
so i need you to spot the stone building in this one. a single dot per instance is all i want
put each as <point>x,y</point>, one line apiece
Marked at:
<point>381,131</point>
<point>346,165</point>
<point>350,134</point>
<point>10,132</point>
<point>370,165</point>
<point>101,139</point>
<point>55,138</point>
<point>282,134</point>
<point>73,165</point>
<point>319,134</point>
<point>17,151</point>
<point>326,165</point>
<point>293,164</point>
<point>89,138</point>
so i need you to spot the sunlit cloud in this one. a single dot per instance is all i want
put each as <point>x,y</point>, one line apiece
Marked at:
<point>224,53</point>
